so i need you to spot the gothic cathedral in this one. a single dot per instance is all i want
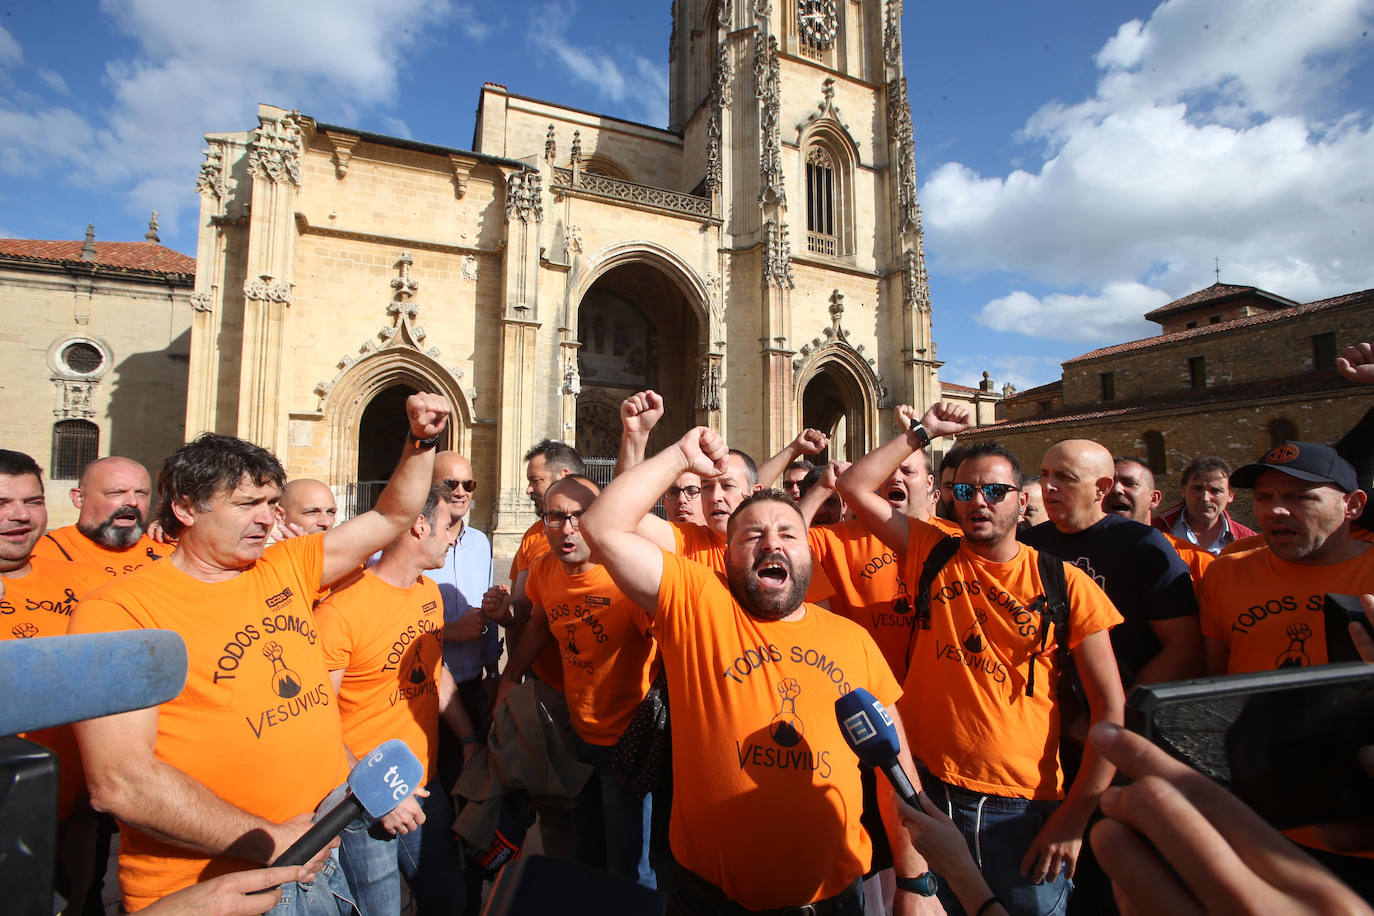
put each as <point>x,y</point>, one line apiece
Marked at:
<point>759,263</point>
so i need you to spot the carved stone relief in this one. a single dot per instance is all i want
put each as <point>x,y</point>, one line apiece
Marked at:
<point>74,398</point>
<point>892,32</point>
<point>777,261</point>
<point>768,81</point>
<point>899,129</point>
<point>469,267</point>
<point>343,150</point>
<point>202,302</point>
<point>268,289</point>
<point>211,178</point>
<point>524,199</point>
<point>275,151</point>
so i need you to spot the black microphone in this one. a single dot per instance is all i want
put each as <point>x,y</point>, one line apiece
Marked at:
<point>47,680</point>
<point>869,731</point>
<point>387,776</point>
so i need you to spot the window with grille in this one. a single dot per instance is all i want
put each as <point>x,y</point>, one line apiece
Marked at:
<point>75,444</point>
<point>820,203</point>
<point>82,358</point>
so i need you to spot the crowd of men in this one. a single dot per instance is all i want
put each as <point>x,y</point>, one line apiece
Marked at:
<point>1001,636</point>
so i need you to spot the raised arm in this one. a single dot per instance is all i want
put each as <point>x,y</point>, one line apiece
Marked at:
<point>346,546</point>
<point>639,414</point>
<point>808,442</point>
<point>859,485</point>
<point>815,497</point>
<point>612,524</point>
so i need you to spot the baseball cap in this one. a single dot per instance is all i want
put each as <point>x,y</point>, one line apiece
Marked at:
<point>1303,460</point>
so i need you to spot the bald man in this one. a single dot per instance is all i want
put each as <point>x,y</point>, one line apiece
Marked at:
<point>1141,573</point>
<point>113,497</point>
<point>307,505</point>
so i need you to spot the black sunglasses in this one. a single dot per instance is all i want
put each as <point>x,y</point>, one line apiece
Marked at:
<point>453,483</point>
<point>993,492</point>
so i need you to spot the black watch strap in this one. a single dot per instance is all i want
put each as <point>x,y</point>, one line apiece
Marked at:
<point>920,432</point>
<point>927,884</point>
<point>423,445</point>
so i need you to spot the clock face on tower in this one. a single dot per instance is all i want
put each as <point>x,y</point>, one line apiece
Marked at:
<point>819,21</point>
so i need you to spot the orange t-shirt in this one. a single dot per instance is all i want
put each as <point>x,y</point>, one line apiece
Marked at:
<point>71,545</point>
<point>766,793</point>
<point>964,701</point>
<point>1196,558</point>
<point>390,643</point>
<point>40,603</point>
<point>869,590</point>
<point>607,649</point>
<point>1268,611</point>
<point>257,722</point>
<point>548,667</point>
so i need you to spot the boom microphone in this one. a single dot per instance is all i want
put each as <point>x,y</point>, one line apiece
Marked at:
<point>383,779</point>
<point>47,680</point>
<point>869,731</point>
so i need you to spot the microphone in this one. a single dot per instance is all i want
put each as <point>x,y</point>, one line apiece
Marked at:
<point>387,776</point>
<point>47,680</point>
<point>869,731</point>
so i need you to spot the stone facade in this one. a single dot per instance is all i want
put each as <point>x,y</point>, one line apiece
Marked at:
<point>94,350</point>
<point>760,263</point>
<point>1262,372</point>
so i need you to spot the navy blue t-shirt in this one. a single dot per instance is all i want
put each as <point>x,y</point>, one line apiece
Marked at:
<point>1140,572</point>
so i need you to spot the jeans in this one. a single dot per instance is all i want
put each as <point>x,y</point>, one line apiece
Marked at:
<point>610,827</point>
<point>327,895</point>
<point>427,858</point>
<point>998,831</point>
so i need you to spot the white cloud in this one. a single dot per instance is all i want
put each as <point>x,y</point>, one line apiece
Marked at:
<point>1022,371</point>
<point>1113,314</point>
<point>11,53</point>
<point>203,66</point>
<point>54,81</point>
<point>620,75</point>
<point>1213,133</point>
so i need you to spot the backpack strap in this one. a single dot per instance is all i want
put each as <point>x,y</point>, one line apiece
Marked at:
<point>1053,607</point>
<point>939,555</point>
<point>59,547</point>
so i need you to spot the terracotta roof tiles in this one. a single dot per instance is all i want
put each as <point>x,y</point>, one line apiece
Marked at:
<point>137,256</point>
<point>1216,293</point>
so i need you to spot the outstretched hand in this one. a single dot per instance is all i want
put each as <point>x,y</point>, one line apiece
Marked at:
<point>1357,363</point>
<point>1175,842</point>
<point>427,413</point>
<point>640,413</point>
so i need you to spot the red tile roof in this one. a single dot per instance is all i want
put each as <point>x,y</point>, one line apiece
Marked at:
<point>1309,383</point>
<point>1225,326</point>
<point>1039,391</point>
<point>140,256</point>
<point>1213,295</point>
<point>950,386</point>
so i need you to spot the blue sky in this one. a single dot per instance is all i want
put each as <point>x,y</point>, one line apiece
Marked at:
<point>1080,161</point>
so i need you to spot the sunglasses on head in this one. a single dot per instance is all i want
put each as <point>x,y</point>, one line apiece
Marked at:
<point>453,483</point>
<point>992,492</point>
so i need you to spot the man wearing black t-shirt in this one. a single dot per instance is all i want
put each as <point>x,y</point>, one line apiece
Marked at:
<point>1140,572</point>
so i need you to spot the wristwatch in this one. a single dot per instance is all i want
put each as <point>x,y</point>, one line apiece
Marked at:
<point>927,884</point>
<point>422,445</point>
<point>920,432</point>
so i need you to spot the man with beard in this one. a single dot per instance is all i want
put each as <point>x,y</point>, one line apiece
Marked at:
<point>766,792</point>
<point>37,596</point>
<point>1133,563</point>
<point>113,496</point>
<point>986,663</point>
<point>1135,496</point>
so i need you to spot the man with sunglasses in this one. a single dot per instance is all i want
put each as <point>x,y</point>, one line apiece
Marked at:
<point>472,646</point>
<point>980,689</point>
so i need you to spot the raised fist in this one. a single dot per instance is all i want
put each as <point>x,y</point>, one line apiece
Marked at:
<point>428,414</point>
<point>946,418</point>
<point>641,412</point>
<point>704,450</point>
<point>1357,363</point>
<point>810,442</point>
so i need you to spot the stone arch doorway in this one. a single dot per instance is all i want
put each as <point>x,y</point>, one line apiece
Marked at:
<point>833,401</point>
<point>636,329</point>
<point>382,426</point>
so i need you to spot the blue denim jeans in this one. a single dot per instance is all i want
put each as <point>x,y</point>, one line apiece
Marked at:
<point>998,831</point>
<point>610,827</point>
<point>327,895</point>
<point>375,861</point>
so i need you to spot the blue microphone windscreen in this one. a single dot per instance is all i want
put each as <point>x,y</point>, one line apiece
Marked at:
<point>53,680</point>
<point>388,775</point>
<point>867,727</point>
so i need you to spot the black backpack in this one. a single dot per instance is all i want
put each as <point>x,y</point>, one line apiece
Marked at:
<point>1052,606</point>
